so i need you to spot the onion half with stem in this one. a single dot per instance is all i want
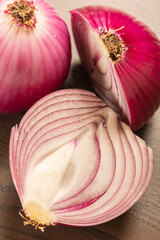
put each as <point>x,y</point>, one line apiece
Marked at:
<point>122,58</point>
<point>35,53</point>
<point>74,162</point>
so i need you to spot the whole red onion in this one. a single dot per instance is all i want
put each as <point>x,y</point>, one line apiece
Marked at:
<point>35,52</point>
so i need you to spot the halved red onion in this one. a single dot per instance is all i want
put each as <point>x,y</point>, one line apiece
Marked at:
<point>74,162</point>
<point>122,58</point>
<point>35,52</point>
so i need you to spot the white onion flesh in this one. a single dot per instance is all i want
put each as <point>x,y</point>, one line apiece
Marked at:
<point>88,166</point>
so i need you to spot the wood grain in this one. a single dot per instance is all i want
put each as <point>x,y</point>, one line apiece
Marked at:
<point>141,222</point>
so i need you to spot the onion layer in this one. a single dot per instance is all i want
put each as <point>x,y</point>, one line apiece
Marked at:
<point>122,58</point>
<point>74,162</point>
<point>35,53</point>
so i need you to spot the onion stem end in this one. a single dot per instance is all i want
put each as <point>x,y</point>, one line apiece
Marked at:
<point>36,215</point>
<point>113,43</point>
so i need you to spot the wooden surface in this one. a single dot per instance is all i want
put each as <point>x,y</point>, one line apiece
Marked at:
<point>142,221</point>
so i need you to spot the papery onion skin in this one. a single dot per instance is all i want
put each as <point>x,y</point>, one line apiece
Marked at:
<point>34,60</point>
<point>131,84</point>
<point>101,168</point>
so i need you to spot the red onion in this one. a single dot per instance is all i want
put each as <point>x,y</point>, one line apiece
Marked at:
<point>122,57</point>
<point>74,162</point>
<point>35,52</point>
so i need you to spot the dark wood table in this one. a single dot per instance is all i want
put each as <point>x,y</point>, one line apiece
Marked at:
<point>141,222</point>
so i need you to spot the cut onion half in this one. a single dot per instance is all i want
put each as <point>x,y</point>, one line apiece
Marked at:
<point>74,162</point>
<point>122,58</point>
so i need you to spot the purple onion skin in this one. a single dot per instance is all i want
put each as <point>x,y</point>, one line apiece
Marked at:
<point>138,70</point>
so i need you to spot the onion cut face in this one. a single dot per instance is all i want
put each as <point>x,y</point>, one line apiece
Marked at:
<point>74,162</point>
<point>35,53</point>
<point>122,58</point>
